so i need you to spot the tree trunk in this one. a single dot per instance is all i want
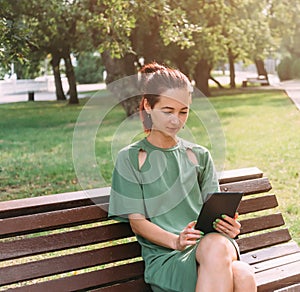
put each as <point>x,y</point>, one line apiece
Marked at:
<point>60,95</point>
<point>231,68</point>
<point>71,79</point>
<point>261,70</point>
<point>117,69</point>
<point>201,76</point>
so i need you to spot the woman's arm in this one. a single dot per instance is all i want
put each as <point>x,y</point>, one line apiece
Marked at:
<point>150,231</point>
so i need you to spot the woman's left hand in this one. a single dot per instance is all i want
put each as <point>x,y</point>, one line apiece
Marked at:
<point>228,226</point>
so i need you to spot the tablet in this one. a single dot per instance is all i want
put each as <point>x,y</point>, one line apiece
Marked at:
<point>217,204</point>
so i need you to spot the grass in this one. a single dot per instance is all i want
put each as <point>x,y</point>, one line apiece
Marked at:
<point>261,128</point>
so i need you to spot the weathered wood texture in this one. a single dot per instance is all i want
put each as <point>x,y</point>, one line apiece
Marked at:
<point>65,242</point>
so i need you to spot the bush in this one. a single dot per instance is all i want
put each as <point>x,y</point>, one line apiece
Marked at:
<point>296,69</point>
<point>284,69</point>
<point>89,68</point>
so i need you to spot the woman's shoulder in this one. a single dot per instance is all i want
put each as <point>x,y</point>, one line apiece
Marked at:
<point>133,146</point>
<point>130,151</point>
<point>197,148</point>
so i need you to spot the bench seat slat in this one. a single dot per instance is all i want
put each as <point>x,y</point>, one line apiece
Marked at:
<point>252,186</point>
<point>292,288</point>
<point>280,261</point>
<point>261,223</point>
<point>53,202</point>
<point>239,174</point>
<point>137,285</point>
<point>50,220</point>
<point>60,241</point>
<point>94,279</point>
<point>66,263</point>
<point>257,204</point>
<point>269,253</point>
<point>263,240</point>
<point>278,277</point>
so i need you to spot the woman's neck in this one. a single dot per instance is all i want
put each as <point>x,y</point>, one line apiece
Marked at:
<point>160,140</point>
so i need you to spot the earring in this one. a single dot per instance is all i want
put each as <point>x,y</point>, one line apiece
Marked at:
<point>148,121</point>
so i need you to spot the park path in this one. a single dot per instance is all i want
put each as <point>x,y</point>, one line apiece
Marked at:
<point>82,90</point>
<point>291,87</point>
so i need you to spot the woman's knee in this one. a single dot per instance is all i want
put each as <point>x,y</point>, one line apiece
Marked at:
<point>243,277</point>
<point>214,246</point>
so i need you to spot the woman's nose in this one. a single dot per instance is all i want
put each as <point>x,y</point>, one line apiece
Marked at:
<point>174,119</point>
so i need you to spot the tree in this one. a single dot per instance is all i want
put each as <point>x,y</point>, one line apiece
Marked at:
<point>89,68</point>
<point>69,26</point>
<point>15,37</point>
<point>284,24</point>
<point>156,26</point>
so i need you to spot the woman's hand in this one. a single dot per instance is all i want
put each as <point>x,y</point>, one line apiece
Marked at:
<point>188,236</point>
<point>228,226</point>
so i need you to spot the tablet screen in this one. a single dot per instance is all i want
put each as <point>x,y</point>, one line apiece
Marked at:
<point>218,204</point>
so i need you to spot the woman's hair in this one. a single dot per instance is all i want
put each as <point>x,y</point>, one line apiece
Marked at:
<point>154,80</point>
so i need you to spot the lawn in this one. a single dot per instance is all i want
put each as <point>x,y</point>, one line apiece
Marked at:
<point>261,128</point>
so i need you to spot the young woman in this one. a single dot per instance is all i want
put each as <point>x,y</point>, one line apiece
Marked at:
<point>159,185</point>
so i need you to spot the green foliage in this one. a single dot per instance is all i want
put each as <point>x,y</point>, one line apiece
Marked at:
<point>296,69</point>
<point>89,68</point>
<point>284,69</point>
<point>15,36</point>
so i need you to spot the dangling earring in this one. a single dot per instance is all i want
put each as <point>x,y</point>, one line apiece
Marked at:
<point>148,121</point>
<point>183,126</point>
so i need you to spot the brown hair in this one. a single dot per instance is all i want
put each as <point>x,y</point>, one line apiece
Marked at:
<point>154,80</point>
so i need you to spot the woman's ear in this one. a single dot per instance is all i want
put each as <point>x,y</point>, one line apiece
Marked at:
<point>147,106</point>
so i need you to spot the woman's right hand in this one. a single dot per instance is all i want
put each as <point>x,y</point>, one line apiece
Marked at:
<point>188,236</point>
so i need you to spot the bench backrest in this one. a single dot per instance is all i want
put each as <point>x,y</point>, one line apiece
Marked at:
<point>65,242</point>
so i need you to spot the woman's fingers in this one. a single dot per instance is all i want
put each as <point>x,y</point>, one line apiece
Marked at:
<point>228,226</point>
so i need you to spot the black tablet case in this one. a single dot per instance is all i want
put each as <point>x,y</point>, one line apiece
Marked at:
<point>217,204</point>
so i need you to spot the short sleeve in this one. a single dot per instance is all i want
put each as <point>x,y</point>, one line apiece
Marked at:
<point>126,196</point>
<point>207,177</point>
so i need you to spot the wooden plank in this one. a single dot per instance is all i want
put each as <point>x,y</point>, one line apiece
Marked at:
<point>252,186</point>
<point>235,175</point>
<point>50,220</point>
<point>269,253</point>
<point>261,223</point>
<point>257,204</point>
<point>53,202</point>
<point>293,288</point>
<point>89,280</point>
<point>60,241</point>
<point>263,240</point>
<point>137,285</point>
<point>278,277</point>
<point>67,263</point>
<point>277,262</point>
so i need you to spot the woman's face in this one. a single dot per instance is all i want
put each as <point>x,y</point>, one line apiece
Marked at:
<point>171,111</point>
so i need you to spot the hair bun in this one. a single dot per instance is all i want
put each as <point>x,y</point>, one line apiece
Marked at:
<point>152,67</point>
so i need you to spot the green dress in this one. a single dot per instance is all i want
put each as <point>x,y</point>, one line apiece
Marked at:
<point>167,192</point>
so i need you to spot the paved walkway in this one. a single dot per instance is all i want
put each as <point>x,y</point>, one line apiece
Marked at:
<point>292,88</point>
<point>82,90</point>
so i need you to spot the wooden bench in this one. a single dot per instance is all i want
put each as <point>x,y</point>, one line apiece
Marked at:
<point>65,242</point>
<point>262,80</point>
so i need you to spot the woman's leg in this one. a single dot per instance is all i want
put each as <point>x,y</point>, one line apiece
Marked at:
<point>215,255</point>
<point>243,277</point>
